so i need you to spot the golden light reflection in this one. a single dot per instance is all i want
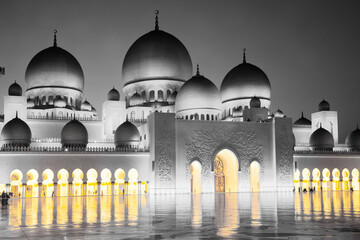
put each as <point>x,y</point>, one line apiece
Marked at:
<point>255,209</point>
<point>133,211</point>
<point>336,200</point>
<point>62,210</point>
<point>119,208</point>
<point>91,209</point>
<point>31,209</point>
<point>77,210</point>
<point>326,198</point>
<point>227,214</point>
<point>306,206</point>
<point>105,207</point>
<point>16,212</point>
<point>196,219</point>
<point>47,211</point>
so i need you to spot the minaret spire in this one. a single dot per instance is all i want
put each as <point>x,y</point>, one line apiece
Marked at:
<point>156,20</point>
<point>244,55</point>
<point>55,43</point>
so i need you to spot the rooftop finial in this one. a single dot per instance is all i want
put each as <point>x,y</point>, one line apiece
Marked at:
<point>16,114</point>
<point>156,20</point>
<point>244,55</point>
<point>302,114</point>
<point>55,43</point>
<point>197,70</point>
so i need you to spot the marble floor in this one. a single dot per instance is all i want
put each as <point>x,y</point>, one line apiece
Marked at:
<point>326,215</point>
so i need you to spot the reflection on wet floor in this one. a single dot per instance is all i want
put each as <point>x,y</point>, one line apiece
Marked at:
<point>260,215</point>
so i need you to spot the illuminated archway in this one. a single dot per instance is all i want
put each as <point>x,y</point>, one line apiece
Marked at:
<point>345,179</point>
<point>226,167</point>
<point>297,180</point>
<point>92,183</point>
<point>306,179</point>
<point>255,176</point>
<point>355,179</point>
<point>336,179</point>
<point>77,185</point>
<point>16,185</point>
<point>47,183</point>
<point>119,187</point>
<point>105,188</point>
<point>133,180</point>
<point>316,182</point>
<point>195,170</point>
<point>63,184</point>
<point>32,186</point>
<point>326,179</point>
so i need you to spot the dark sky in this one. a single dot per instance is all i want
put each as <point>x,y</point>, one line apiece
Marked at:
<point>309,49</point>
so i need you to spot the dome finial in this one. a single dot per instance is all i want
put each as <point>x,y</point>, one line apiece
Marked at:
<point>16,116</point>
<point>156,20</point>
<point>244,55</point>
<point>197,70</point>
<point>302,114</point>
<point>55,43</point>
<point>320,125</point>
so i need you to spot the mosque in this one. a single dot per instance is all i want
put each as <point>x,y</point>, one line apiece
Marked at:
<point>174,132</point>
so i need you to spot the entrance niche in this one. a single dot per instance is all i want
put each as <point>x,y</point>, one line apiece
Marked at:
<point>345,179</point>
<point>63,184</point>
<point>77,176</point>
<point>195,170</point>
<point>119,182</point>
<point>105,188</point>
<point>306,179</point>
<point>16,185</point>
<point>32,186</point>
<point>92,182</point>
<point>226,167</point>
<point>133,180</point>
<point>47,183</point>
<point>326,179</point>
<point>255,176</point>
<point>336,179</point>
<point>355,179</point>
<point>316,183</point>
<point>297,180</point>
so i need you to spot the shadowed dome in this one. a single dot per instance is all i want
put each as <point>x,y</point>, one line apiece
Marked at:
<point>255,102</point>
<point>156,55</point>
<point>54,67</point>
<point>198,93</point>
<point>245,81</point>
<point>353,140</point>
<point>16,133</point>
<point>85,106</point>
<point>302,121</point>
<point>113,95</point>
<point>321,139</point>
<point>15,89</point>
<point>324,106</point>
<point>127,135</point>
<point>74,134</point>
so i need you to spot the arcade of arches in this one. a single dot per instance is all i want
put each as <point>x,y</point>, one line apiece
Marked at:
<point>330,180</point>
<point>78,187</point>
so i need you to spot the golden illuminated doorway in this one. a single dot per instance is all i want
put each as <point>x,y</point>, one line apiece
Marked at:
<point>16,185</point>
<point>77,185</point>
<point>32,186</point>
<point>345,179</point>
<point>226,167</point>
<point>195,170</point>
<point>47,189</point>
<point>255,176</point>
<point>63,184</point>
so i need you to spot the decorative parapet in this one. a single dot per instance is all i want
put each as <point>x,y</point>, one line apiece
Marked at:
<point>75,149</point>
<point>335,152</point>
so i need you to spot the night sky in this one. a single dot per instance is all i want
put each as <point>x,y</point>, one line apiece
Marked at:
<point>309,49</point>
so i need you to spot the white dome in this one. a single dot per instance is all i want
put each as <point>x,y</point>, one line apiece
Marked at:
<point>198,95</point>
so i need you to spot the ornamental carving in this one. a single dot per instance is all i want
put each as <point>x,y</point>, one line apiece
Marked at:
<point>165,164</point>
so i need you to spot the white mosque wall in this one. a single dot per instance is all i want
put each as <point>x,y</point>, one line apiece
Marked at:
<point>24,161</point>
<point>113,114</point>
<point>13,105</point>
<point>328,120</point>
<point>302,135</point>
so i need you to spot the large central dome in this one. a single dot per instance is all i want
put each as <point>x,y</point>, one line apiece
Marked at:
<point>54,67</point>
<point>156,55</point>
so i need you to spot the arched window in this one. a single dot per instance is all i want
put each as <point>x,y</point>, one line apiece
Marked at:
<point>152,96</point>
<point>143,95</point>
<point>132,115</point>
<point>168,94</point>
<point>160,96</point>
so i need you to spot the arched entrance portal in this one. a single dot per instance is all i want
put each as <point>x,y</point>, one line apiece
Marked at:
<point>255,176</point>
<point>195,170</point>
<point>226,167</point>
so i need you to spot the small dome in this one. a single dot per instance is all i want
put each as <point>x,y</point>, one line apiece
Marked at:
<point>171,100</point>
<point>113,95</point>
<point>15,90</point>
<point>255,102</point>
<point>324,106</point>
<point>198,93</point>
<point>74,134</point>
<point>279,114</point>
<point>321,139</point>
<point>353,140</point>
<point>59,102</point>
<point>136,100</point>
<point>243,82</point>
<point>302,121</point>
<point>30,103</point>
<point>16,133</point>
<point>85,106</point>
<point>156,55</point>
<point>127,135</point>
